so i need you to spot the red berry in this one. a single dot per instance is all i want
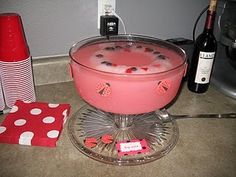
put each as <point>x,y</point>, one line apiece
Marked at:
<point>148,49</point>
<point>129,70</point>
<point>157,65</point>
<point>145,69</point>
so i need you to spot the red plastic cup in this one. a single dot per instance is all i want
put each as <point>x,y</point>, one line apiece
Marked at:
<point>2,101</point>
<point>13,44</point>
<point>17,81</point>
<point>15,61</point>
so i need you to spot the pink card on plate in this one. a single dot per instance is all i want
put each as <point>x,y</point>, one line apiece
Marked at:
<point>132,147</point>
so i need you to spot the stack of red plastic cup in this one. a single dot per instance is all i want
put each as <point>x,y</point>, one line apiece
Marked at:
<point>15,61</point>
<point>2,101</point>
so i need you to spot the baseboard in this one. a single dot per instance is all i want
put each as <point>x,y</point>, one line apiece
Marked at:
<point>51,70</point>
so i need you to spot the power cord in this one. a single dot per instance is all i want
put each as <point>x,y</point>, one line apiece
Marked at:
<point>198,18</point>
<point>219,18</point>
<point>123,24</point>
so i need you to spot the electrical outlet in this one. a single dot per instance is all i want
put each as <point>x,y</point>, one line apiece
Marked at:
<point>105,6</point>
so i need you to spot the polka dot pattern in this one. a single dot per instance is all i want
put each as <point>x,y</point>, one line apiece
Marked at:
<point>14,109</point>
<point>53,134</point>
<point>20,122</point>
<point>26,101</point>
<point>26,138</point>
<point>35,111</point>
<point>65,113</point>
<point>50,105</point>
<point>34,123</point>
<point>27,134</point>
<point>2,129</point>
<point>48,120</point>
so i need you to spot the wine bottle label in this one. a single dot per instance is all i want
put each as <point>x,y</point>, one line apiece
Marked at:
<point>204,67</point>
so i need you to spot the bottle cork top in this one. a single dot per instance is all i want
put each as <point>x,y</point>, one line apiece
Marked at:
<point>212,6</point>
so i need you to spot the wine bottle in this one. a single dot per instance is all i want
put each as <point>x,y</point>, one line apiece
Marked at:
<point>204,53</point>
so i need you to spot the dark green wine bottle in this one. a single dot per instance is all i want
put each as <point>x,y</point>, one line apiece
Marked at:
<point>204,53</point>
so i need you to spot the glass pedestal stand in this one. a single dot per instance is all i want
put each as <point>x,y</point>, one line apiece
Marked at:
<point>89,122</point>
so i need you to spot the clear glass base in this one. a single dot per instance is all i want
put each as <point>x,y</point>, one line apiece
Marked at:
<point>96,133</point>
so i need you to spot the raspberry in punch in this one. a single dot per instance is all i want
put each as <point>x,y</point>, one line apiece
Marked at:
<point>120,58</point>
<point>15,60</point>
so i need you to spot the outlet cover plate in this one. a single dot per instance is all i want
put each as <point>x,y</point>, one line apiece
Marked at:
<point>103,6</point>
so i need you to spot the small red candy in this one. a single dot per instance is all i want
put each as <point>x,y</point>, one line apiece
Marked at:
<point>90,142</point>
<point>107,139</point>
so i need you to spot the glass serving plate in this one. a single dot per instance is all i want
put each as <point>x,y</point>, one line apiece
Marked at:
<point>94,123</point>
